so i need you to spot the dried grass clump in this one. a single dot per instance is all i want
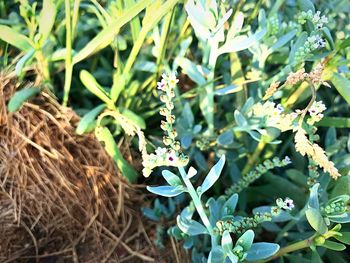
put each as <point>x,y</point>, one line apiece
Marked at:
<point>61,197</point>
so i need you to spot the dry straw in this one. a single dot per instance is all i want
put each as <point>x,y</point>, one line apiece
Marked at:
<point>61,196</point>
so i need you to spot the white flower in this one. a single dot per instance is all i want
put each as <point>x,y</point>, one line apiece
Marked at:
<point>172,80</point>
<point>288,204</point>
<point>160,152</point>
<point>171,157</point>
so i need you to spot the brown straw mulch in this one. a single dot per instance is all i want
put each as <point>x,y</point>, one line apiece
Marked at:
<point>61,197</point>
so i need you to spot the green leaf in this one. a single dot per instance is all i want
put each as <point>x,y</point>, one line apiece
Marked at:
<point>105,136</point>
<point>342,84</point>
<point>236,26</point>
<point>306,5</point>
<point>190,227</point>
<point>240,120</point>
<point>315,257</point>
<point>107,35</point>
<point>331,137</point>
<point>313,199</point>
<point>20,97</point>
<point>134,118</point>
<point>23,61</point>
<point>282,41</point>
<point>166,190</point>
<point>216,255</point>
<point>333,245</point>
<point>342,219</point>
<point>225,138</point>
<point>15,39</point>
<point>316,220</point>
<point>328,36</point>
<point>226,241</point>
<point>92,85</point>
<point>227,90</point>
<point>342,186</point>
<point>47,18</point>
<point>344,44</point>
<point>299,43</point>
<point>190,69</point>
<point>241,42</point>
<point>336,122</point>
<point>344,238</point>
<point>262,250</point>
<point>213,175</point>
<point>171,178</point>
<point>89,119</point>
<point>230,205</point>
<point>246,240</point>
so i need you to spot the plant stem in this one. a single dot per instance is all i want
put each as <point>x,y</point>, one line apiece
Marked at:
<point>198,204</point>
<point>43,65</point>
<point>68,62</point>
<point>253,159</point>
<point>291,248</point>
<point>75,17</point>
<point>210,87</point>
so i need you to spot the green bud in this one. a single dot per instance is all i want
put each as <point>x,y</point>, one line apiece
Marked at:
<point>319,240</point>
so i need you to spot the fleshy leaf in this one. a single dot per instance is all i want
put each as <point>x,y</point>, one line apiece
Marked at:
<point>313,200</point>
<point>20,97</point>
<point>88,119</point>
<point>333,245</point>
<point>344,238</point>
<point>213,175</point>
<point>262,250</point>
<point>316,220</point>
<point>246,240</point>
<point>190,227</point>
<point>226,241</point>
<point>216,255</point>
<point>230,205</point>
<point>171,178</point>
<point>166,190</point>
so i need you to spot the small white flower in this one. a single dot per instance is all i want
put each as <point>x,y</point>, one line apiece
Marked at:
<point>287,160</point>
<point>161,84</point>
<point>288,204</point>
<point>172,80</point>
<point>160,152</point>
<point>171,157</point>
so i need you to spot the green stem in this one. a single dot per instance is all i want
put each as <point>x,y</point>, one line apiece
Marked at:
<point>75,16</point>
<point>253,158</point>
<point>43,65</point>
<point>198,204</point>
<point>68,62</point>
<point>293,247</point>
<point>210,87</point>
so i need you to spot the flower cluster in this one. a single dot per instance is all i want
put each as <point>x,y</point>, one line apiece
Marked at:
<point>246,180</point>
<point>313,173</point>
<point>316,112</point>
<point>315,76</point>
<point>315,40</point>
<point>317,20</point>
<point>271,90</point>
<point>337,205</point>
<point>240,225</point>
<point>275,115</point>
<point>286,204</point>
<point>274,25</point>
<point>315,152</point>
<point>170,155</point>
